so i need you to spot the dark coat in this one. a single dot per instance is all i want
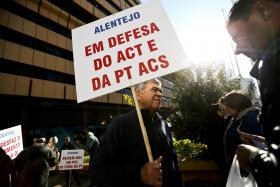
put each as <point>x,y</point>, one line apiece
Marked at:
<point>247,120</point>
<point>6,164</point>
<point>68,146</point>
<point>266,165</point>
<point>32,166</point>
<point>122,152</point>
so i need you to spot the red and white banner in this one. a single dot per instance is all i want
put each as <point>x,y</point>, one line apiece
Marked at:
<point>11,141</point>
<point>125,49</point>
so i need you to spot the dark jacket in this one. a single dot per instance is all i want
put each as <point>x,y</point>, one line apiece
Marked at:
<point>68,146</point>
<point>247,120</point>
<point>32,166</point>
<point>6,164</point>
<point>122,152</point>
<point>265,166</point>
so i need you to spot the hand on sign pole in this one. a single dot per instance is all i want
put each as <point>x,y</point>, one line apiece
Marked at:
<point>151,173</point>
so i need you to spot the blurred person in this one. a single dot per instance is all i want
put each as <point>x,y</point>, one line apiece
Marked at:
<point>68,145</point>
<point>52,144</point>
<point>39,140</point>
<point>254,25</point>
<point>122,160</point>
<point>244,117</point>
<point>53,141</point>
<point>216,125</point>
<point>32,165</point>
<point>86,140</point>
<point>7,168</point>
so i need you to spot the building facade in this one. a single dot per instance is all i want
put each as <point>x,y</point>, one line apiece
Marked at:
<point>37,84</point>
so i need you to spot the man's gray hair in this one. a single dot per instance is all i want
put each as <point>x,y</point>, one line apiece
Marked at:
<point>142,85</point>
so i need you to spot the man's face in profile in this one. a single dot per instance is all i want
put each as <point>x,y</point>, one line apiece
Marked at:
<point>245,36</point>
<point>150,96</point>
<point>253,34</point>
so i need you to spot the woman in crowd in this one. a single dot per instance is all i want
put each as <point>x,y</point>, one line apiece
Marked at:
<point>244,118</point>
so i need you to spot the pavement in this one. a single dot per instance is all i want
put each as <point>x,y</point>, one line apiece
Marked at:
<point>57,179</point>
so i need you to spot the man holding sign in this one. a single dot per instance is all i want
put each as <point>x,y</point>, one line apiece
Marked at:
<point>116,52</point>
<point>122,160</point>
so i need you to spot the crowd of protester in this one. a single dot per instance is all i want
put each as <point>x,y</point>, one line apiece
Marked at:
<point>35,163</point>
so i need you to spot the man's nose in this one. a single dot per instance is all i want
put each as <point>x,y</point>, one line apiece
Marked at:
<point>159,93</point>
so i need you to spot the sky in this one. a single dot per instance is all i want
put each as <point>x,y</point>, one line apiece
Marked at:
<point>200,27</point>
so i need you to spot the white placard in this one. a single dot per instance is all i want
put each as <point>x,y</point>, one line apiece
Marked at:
<point>11,141</point>
<point>71,159</point>
<point>125,49</point>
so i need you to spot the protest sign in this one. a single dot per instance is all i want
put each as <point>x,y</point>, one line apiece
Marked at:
<point>11,141</point>
<point>71,159</point>
<point>125,49</point>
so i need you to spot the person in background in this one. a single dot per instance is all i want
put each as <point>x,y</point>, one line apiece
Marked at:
<point>53,141</point>
<point>39,140</point>
<point>32,165</point>
<point>68,145</point>
<point>7,168</point>
<point>52,145</point>
<point>244,117</point>
<point>122,160</point>
<point>216,126</point>
<point>85,139</point>
<point>254,26</point>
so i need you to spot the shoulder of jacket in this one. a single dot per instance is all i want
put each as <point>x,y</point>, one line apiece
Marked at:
<point>129,115</point>
<point>248,111</point>
<point>123,118</point>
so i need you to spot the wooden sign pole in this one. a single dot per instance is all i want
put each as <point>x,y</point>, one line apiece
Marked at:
<point>70,175</point>
<point>10,180</point>
<point>143,129</point>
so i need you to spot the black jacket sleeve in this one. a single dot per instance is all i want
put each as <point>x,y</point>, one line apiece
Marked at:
<point>265,165</point>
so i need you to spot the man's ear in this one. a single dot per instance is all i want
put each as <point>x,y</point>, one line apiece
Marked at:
<point>138,95</point>
<point>263,9</point>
